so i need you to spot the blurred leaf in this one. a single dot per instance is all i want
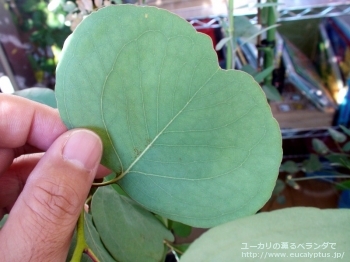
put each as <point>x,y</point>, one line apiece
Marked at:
<point>28,6</point>
<point>260,76</point>
<point>345,130</point>
<point>312,164</point>
<point>180,229</point>
<point>259,5</point>
<point>281,199</point>
<point>39,18</point>
<point>69,6</point>
<point>259,32</point>
<point>346,147</point>
<point>243,27</point>
<point>272,93</point>
<point>248,69</point>
<point>336,135</point>
<point>129,232</point>
<point>279,187</point>
<point>42,95</point>
<point>340,159</point>
<point>226,243</point>
<point>221,43</point>
<point>319,146</point>
<point>343,185</point>
<point>289,167</point>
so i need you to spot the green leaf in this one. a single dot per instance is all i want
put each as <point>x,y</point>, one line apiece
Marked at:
<point>289,167</point>
<point>129,232</point>
<point>93,240</point>
<point>69,6</point>
<point>279,187</point>
<point>319,146</point>
<point>281,199</point>
<point>259,5</point>
<point>339,159</point>
<point>312,164</point>
<point>260,76</point>
<point>243,27</point>
<point>248,69</point>
<point>343,185</point>
<point>251,37</point>
<point>180,229</point>
<point>272,93</point>
<point>175,127</point>
<point>336,135</point>
<point>221,43</point>
<point>345,130</point>
<point>41,95</point>
<point>181,248</point>
<point>263,235</point>
<point>346,147</point>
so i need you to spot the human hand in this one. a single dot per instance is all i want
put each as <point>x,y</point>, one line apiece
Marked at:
<point>44,193</point>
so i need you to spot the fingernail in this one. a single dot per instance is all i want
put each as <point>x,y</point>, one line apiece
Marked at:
<point>83,148</point>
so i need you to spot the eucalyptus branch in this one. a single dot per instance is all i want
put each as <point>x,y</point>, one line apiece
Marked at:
<point>82,246</point>
<point>230,59</point>
<point>173,248</point>
<point>316,177</point>
<point>107,183</point>
<point>339,148</point>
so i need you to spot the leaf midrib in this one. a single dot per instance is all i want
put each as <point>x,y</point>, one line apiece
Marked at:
<point>162,131</point>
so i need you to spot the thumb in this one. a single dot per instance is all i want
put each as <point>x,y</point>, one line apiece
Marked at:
<point>42,221</point>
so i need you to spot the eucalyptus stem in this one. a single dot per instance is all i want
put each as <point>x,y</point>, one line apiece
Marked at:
<point>82,246</point>
<point>173,248</point>
<point>318,177</point>
<point>106,183</point>
<point>270,41</point>
<point>230,55</point>
<point>339,148</point>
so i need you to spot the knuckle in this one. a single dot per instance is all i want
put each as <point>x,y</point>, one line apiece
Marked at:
<point>54,202</point>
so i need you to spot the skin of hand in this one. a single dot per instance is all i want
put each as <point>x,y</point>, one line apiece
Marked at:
<point>45,176</point>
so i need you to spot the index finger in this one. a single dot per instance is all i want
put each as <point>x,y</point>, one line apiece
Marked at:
<point>26,122</point>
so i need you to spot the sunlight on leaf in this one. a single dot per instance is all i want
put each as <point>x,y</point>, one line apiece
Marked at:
<point>192,142</point>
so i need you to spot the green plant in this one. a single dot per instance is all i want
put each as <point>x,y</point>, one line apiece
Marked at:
<point>241,27</point>
<point>41,23</point>
<point>338,158</point>
<point>188,142</point>
<point>182,135</point>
